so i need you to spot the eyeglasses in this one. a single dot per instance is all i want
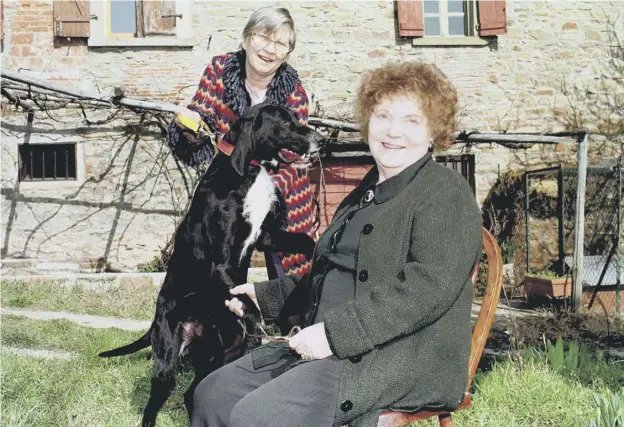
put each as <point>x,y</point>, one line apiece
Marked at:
<point>262,41</point>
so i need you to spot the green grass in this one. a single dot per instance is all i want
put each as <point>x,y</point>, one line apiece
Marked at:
<point>89,391</point>
<point>526,394</point>
<point>137,301</point>
<point>84,391</point>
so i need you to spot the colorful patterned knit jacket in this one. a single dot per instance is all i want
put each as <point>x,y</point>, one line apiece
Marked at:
<point>220,100</point>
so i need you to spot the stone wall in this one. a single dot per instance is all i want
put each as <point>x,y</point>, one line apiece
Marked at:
<point>534,78</point>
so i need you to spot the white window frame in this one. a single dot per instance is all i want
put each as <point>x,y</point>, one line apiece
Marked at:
<point>100,35</point>
<point>471,38</point>
<point>52,184</point>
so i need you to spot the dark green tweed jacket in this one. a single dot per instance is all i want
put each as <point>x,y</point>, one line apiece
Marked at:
<point>406,336</point>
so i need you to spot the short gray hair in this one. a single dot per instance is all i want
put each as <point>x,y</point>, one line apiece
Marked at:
<point>268,20</point>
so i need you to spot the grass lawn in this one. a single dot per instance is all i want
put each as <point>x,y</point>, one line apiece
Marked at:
<point>133,301</point>
<point>89,391</point>
<point>84,391</point>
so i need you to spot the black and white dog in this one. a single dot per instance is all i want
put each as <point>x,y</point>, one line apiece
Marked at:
<point>235,207</point>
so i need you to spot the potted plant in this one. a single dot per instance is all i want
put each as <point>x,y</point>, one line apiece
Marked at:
<point>546,284</point>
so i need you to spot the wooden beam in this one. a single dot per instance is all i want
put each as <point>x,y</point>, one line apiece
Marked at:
<point>461,136</point>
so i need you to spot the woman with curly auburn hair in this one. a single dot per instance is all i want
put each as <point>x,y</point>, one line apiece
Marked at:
<point>385,312</point>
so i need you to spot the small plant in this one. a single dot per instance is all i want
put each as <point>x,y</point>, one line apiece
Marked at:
<point>508,251</point>
<point>575,359</point>
<point>547,274</point>
<point>609,409</point>
<point>155,265</point>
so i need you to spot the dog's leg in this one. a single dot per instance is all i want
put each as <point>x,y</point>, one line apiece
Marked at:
<point>283,241</point>
<point>206,356</point>
<point>273,238</point>
<point>163,382</point>
<point>166,346</point>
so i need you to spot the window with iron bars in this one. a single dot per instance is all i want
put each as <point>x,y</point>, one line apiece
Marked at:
<point>47,162</point>
<point>464,164</point>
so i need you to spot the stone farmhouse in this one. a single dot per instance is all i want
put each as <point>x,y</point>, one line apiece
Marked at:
<point>97,189</point>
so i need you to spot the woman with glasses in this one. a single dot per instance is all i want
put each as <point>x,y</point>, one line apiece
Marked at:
<point>385,311</point>
<point>233,83</point>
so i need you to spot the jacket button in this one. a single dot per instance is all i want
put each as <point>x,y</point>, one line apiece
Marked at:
<point>355,359</point>
<point>346,406</point>
<point>401,276</point>
<point>363,276</point>
<point>368,228</point>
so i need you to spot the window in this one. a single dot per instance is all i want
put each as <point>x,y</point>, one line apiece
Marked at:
<point>450,22</point>
<point>125,22</point>
<point>464,164</point>
<point>445,18</point>
<point>122,21</point>
<point>47,162</point>
<point>141,23</point>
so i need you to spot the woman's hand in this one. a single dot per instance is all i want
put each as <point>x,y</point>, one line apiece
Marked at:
<point>191,136</point>
<point>190,114</point>
<point>311,342</point>
<point>235,305</point>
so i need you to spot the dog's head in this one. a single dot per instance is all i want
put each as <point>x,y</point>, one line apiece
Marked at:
<point>270,135</point>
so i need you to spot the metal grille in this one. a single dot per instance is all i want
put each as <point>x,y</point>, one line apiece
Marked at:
<point>47,162</point>
<point>464,164</point>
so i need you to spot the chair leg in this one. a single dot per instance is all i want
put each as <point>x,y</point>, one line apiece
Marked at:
<point>446,420</point>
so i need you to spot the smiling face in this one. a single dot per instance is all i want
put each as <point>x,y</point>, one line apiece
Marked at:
<point>265,52</point>
<point>398,135</point>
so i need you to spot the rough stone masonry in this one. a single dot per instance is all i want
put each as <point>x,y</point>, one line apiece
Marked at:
<point>129,191</point>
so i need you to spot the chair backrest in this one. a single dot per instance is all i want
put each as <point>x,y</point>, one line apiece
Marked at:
<point>488,305</point>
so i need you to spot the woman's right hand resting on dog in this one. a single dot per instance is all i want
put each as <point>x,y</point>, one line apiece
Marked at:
<point>235,305</point>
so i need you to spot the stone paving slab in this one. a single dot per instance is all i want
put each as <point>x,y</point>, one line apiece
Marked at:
<point>81,319</point>
<point>102,281</point>
<point>38,354</point>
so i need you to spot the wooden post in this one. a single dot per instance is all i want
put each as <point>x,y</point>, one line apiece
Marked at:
<point>579,226</point>
<point>560,227</point>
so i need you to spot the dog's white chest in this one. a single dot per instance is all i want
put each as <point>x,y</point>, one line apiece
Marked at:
<point>258,202</point>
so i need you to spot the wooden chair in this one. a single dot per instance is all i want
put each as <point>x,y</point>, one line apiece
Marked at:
<point>479,337</point>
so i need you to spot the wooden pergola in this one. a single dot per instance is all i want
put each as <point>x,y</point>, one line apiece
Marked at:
<point>17,89</point>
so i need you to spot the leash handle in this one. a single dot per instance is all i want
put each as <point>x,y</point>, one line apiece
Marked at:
<point>275,338</point>
<point>200,128</point>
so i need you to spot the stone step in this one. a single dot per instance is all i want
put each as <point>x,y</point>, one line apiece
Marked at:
<point>99,281</point>
<point>38,354</point>
<point>42,266</point>
<point>89,320</point>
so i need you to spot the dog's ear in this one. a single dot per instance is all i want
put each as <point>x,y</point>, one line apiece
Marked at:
<point>241,135</point>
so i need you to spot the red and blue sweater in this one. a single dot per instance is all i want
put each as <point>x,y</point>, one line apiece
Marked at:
<point>221,99</point>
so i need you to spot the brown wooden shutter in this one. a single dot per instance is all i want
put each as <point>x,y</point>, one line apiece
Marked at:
<point>410,18</point>
<point>72,18</point>
<point>156,18</point>
<point>492,17</point>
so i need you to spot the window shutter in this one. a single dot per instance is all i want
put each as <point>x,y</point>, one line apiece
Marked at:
<point>72,18</point>
<point>492,17</point>
<point>410,18</point>
<point>156,18</point>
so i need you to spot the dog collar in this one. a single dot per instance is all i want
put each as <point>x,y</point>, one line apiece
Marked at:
<point>225,147</point>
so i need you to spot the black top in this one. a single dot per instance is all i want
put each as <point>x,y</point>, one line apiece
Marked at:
<point>339,281</point>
